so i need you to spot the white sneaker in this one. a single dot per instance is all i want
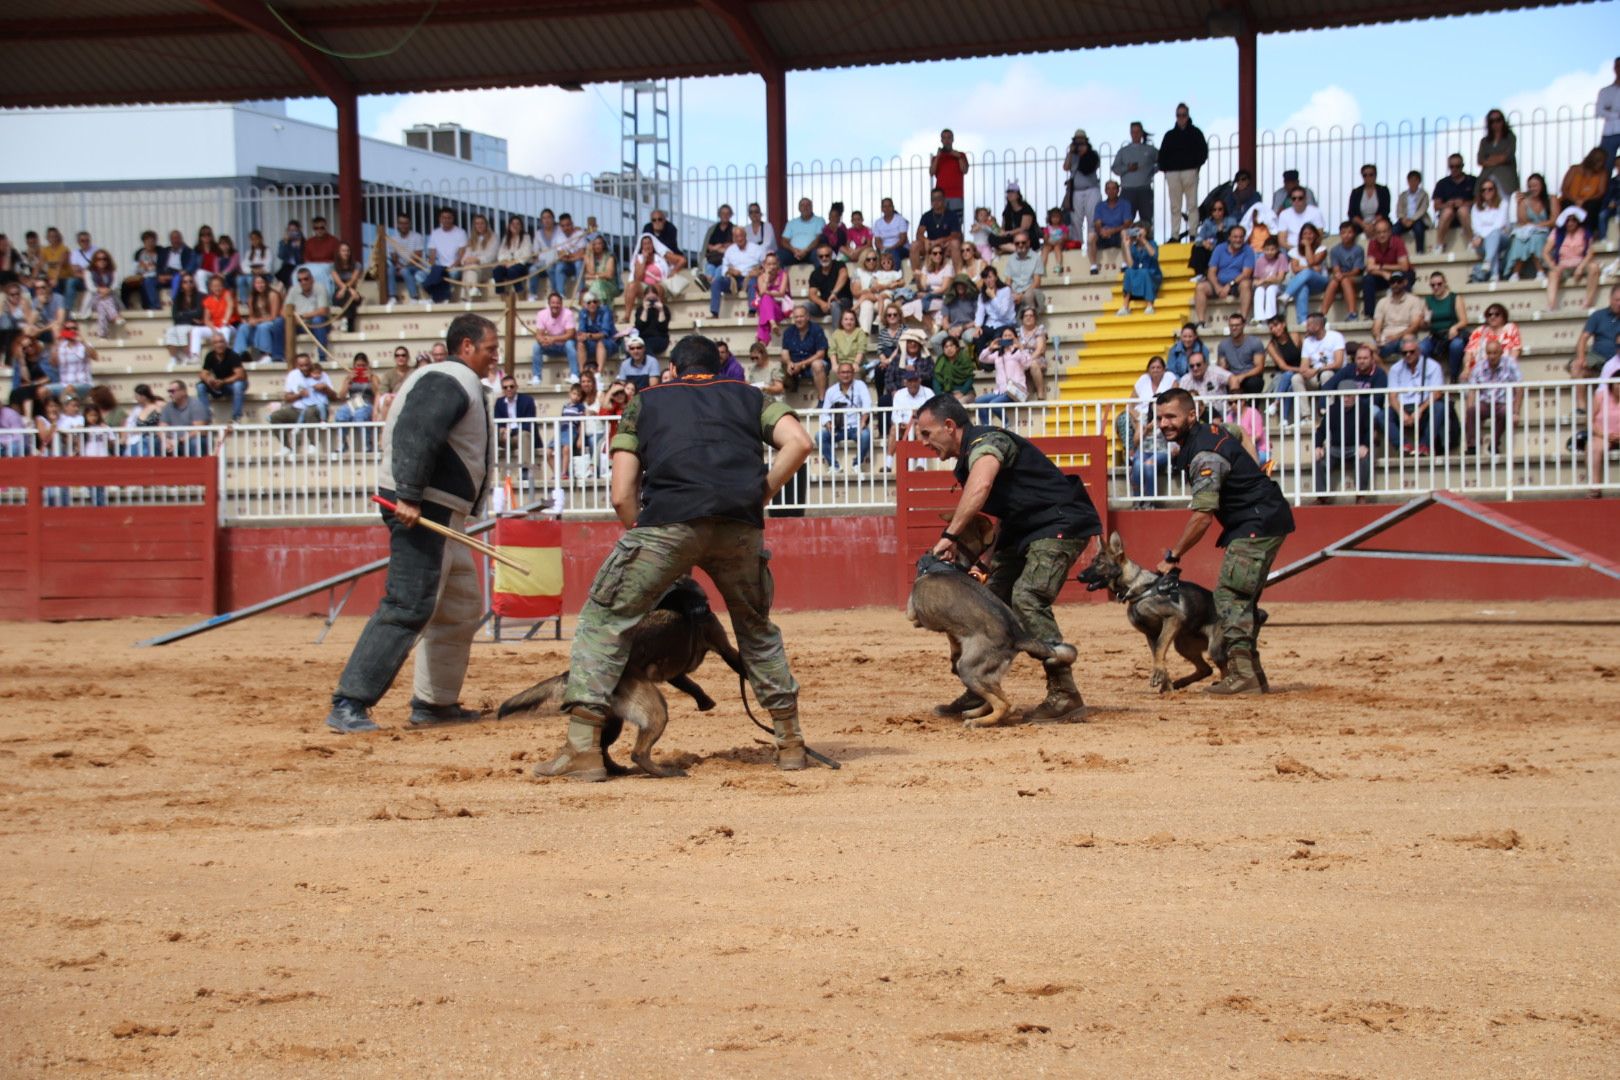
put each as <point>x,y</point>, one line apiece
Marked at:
<point>336,455</point>
<point>1122,312</point>
<point>1148,310</point>
<point>311,451</point>
<point>286,453</point>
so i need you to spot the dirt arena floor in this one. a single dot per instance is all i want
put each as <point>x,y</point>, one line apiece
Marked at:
<point>1404,864</point>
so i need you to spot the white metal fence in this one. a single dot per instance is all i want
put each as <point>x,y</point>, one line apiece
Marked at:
<point>1329,162</point>
<point>1501,441</point>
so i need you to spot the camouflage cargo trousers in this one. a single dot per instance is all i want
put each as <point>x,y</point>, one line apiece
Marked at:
<point>1030,581</point>
<point>1237,592</point>
<point>643,564</point>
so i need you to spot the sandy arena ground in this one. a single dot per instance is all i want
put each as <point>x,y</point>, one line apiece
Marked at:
<point>1405,864</point>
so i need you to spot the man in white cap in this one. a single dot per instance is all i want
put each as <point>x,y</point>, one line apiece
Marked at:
<point>907,400</point>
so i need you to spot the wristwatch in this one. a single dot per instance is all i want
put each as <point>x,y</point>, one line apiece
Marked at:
<point>1170,555</point>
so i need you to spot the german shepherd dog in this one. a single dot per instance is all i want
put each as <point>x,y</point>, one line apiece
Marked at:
<point>667,645</point>
<point>984,632</point>
<point>1167,610</point>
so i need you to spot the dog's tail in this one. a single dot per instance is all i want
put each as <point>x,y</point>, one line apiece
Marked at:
<point>1040,650</point>
<point>541,693</point>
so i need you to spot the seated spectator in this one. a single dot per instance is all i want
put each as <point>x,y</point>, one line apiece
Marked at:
<point>1398,316</point>
<point>847,406</point>
<point>1386,256</point>
<point>1235,197</point>
<point>183,412</point>
<point>141,424</point>
<point>1286,358</point>
<point>145,275</point>
<point>219,310</point>
<point>306,394</point>
<point>1350,423</point>
<point>1496,327</point>
<point>1368,202</point>
<point>255,262</point>
<point>954,370</point>
<point>847,345</point>
<point>554,330</point>
<point>804,348</point>
<point>1242,356</point>
<point>1032,339</point>
<point>313,307</point>
<point>596,338</point>
<point>735,271</point>
<point>1416,419</point>
<point>1306,277</point>
<point>1109,223</point>
<point>1497,158</point>
<point>939,226</point>
<point>72,280</point>
<point>1230,275</point>
<point>516,435</point>
<point>859,237</point>
<point>189,323</point>
<point>1187,344</point>
<point>834,234</point>
<point>1058,240</point>
<point>445,247</point>
<point>512,258</point>
<point>1491,400</point>
<point>1211,233</point>
<point>931,284</point>
<point>890,329</point>
<point>1603,437</point>
<point>772,299</point>
<point>71,357</point>
<point>482,250</point>
<point>1270,271</point>
<point>892,232</point>
<point>652,325</point>
<point>1490,230</point>
<point>51,440</point>
<point>13,265</point>
<point>1412,210</point>
<point>1299,211</point>
<point>1447,322</point>
<point>640,368</point>
<point>800,235</point>
<point>913,393</point>
<point>229,265</point>
<point>1532,225</point>
<point>261,330</point>
<point>1143,278</point>
<point>223,376</point>
<point>1283,198</point>
<point>957,315</point>
<point>14,417</point>
<point>1259,224</point>
<point>359,397</point>
<point>320,251</point>
<point>1010,364</point>
<point>1597,345</point>
<point>720,238</point>
<point>210,260</point>
<point>33,369</point>
<point>53,258</point>
<point>1024,274</point>
<point>1346,262</point>
<point>598,270</point>
<point>1453,202</point>
<point>994,311</point>
<point>101,285</point>
<point>1147,455</point>
<point>979,234</point>
<point>1017,216</point>
<point>911,357</point>
<point>764,374</point>
<point>405,247</point>
<point>1210,383</point>
<point>663,230</point>
<point>649,273</point>
<point>348,273</point>
<point>761,233</point>
<point>1321,351</point>
<point>1569,251</point>
<point>387,383</point>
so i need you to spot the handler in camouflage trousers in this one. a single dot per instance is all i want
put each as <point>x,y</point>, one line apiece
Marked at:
<point>1228,485</point>
<point>690,484</point>
<point>1046,522</point>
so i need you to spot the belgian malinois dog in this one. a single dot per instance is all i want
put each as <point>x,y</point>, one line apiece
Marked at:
<point>667,645</point>
<point>1167,610</point>
<point>984,632</point>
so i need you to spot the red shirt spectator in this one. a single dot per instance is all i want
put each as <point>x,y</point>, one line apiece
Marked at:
<point>947,168</point>
<point>320,246</point>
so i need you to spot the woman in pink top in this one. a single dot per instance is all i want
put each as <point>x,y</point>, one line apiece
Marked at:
<point>1495,328</point>
<point>1569,251</point>
<point>859,236</point>
<point>1270,271</point>
<point>648,274</point>
<point>774,304</point>
<point>1605,435</point>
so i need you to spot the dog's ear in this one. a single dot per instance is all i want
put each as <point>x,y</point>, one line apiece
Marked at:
<point>1116,546</point>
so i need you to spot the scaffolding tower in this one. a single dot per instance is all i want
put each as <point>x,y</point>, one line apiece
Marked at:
<point>647,168</point>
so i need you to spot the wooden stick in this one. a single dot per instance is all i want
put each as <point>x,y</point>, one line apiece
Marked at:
<point>460,538</point>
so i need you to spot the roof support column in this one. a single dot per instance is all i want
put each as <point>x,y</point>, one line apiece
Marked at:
<point>351,203</point>
<point>776,163</point>
<point>1248,79</point>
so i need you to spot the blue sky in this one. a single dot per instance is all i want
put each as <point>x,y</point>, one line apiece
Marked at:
<point>1320,77</point>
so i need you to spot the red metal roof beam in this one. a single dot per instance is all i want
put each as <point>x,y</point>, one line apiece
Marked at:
<point>331,80</point>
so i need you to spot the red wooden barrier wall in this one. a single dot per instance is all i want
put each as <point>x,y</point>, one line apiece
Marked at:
<point>90,562</point>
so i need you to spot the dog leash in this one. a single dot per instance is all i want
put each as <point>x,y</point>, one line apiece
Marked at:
<point>742,688</point>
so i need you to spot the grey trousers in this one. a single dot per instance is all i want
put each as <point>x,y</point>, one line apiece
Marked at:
<point>432,603</point>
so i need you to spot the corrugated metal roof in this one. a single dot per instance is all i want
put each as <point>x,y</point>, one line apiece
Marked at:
<point>151,50</point>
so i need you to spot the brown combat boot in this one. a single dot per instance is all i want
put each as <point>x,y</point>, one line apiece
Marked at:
<point>790,756</point>
<point>1063,700</point>
<point>581,756</point>
<point>1241,676</point>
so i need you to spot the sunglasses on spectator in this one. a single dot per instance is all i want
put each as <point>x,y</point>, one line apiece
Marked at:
<point>1299,198</point>
<point>1409,352</point>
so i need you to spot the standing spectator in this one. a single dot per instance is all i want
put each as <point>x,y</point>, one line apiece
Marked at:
<point>1082,165</point>
<point>1306,274</point>
<point>892,232</point>
<point>1211,233</point>
<point>1608,110</point>
<point>834,234</point>
<point>101,285</point>
<point>1187,345</point>
<point>1114,214</point>
<point>847,406</point>
<point>1297,212</point>
<point>1454,202</point>
<point>1231,273</point>
<point>1412,210</point>
<point>1490,229</point>
<point>1584,186</point>
<point>183,412</point>
<point>1024,274</point>
<point>1182,153</point>
<point>718,240</point>
<point>262,330</point>
<point>320,249</point>
<point>1491,401</point>
<point>445,247</point>
<point>313,307</point>
<point>1369,202</point>
<point>772,300</point>
<point>1417,418</point>
<point>555,331</point>
<point>512,258</point>
<point>477,255</point>
<point>1535,212</point>
<point>800,235</point>
<point>1134,164</point>
<point>1143,277</point>
<point>1147,454</point>
<point>347,275</point>
<point>804,348</point>
<point>994,311</point>
<point>404,247</point>
<point>847,345</point>
<point>860,236</point>
<point>1447,320</point>
<point>829,294</point>
<point>1017,216</point>
<point>761,233</point>
<point>1350,423</point>
<point>596,338</point>
<point>1346,263</point>
<point>1498,154</point>
<point>188,323</point>
<point>663,230</point>
<point>1270,271</point>
<point>1242,356</point>
<point>1282,198</point>
<point>648,273</point>
<point>224,375</point>
<point>1386,257</point>
<point>652,324</point>
<point>304,399</point>
<point>145,273</point>
<point>735,271</point>
<point>946,170</point>
<point>939,225</point>
<point>640,368</point>
<point>1496,327</point>
<point>255,261</point>
<point>598,271</point>
<point>1569,251</point>
<point>572,246</point>
<point>359,397</point>
<point>1398,316</point>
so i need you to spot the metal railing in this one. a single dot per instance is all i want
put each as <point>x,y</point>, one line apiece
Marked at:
<point>1498,440</point>
<point>1329,162</point>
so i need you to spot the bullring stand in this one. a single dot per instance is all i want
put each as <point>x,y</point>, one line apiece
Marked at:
<point>1560,554</point>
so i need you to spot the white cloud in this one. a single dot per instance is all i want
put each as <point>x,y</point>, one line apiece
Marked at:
<point>1573,90</point>
<point>549,132</point>
<point>1327,108</point>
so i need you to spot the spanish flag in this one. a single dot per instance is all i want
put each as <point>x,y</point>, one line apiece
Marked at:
<point>538,546</point>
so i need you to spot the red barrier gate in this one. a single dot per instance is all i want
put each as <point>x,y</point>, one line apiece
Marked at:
<point>923,495</point>
<point>150,551</point>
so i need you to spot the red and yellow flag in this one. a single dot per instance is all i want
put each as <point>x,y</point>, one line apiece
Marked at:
<point>538,546</point>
